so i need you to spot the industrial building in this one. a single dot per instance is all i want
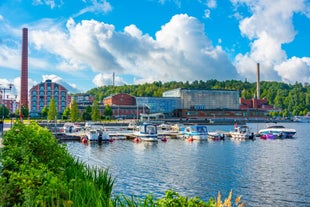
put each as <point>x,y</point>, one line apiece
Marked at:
<point>205,99</point>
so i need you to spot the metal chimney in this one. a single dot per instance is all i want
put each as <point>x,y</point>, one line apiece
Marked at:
<point>258,81</point>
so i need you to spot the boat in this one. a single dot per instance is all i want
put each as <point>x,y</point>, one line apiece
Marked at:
<point>242,132</point>
<point>216,135</point>
<point>96,135</point>
<point>146,132</point>
<point>195,132</point>
<point>302,119</point>
<point>276,131</point>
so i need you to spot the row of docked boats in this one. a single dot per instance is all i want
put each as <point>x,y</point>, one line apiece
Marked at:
<point>150,132</point>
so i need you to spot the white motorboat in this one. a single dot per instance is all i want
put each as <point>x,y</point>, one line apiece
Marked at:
<point>195,132</point>
<point>97,135</point>
<point>302,119</point>
<point>242,133</point>
<point>147,132</point>
<point>276,131</point>
<point>216,135</point>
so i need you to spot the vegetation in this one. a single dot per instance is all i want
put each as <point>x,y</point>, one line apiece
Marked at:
<point>292,99</point>
<point>74,111</point>
<point>37,171</point>
<point>52,112</point>
<point>95,112</point>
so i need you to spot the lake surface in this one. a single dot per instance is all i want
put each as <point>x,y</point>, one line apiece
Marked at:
<point>265,172</point>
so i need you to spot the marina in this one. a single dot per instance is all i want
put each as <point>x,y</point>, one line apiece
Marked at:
<point>265,172</point>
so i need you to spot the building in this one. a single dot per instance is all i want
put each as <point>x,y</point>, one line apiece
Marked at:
<point>255,104</point>
<point>205,99</point>
<point>41,94</point>
<point>125,106</point>
<point>120,99</point>
<point>164,105</point>
<point>83,99</point>
<point>24,71</point>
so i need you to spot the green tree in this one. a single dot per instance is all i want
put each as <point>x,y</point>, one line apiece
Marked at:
<point>66,113</point>
<point>95,112</point>
<point>52,112</point>
<point>74,111</point>
<point>4,111</point>
<point>24,113</point>
<point>108,111</point>
<point>44,112</point>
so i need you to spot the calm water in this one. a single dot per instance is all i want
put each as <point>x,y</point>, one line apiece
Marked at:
<point>265,172</point>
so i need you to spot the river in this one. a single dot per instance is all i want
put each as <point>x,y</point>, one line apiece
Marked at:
<point>265,172</point>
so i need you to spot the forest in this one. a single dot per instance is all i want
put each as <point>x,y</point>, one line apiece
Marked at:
<point>290,99</point>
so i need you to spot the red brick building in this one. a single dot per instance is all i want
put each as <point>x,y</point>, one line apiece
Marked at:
<point>120,99</point>
<point>255,103</point>
<point>42,93</point>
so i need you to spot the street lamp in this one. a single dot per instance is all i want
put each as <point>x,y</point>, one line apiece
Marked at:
<point>3,104</point>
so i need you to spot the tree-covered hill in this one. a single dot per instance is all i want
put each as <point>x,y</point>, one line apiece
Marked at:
<point>293,99</point>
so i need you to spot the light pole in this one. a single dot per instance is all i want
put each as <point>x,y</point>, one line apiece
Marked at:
<point>3,104</point>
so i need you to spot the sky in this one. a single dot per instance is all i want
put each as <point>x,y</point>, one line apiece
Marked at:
<point>81,43</point>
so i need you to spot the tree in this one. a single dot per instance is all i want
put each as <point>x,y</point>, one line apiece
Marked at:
<point>66,113</point>
<point>108,111</point>
<point>23,113</point>
<point>44,112</point>
<point>5,110</point>
<point>95,112</point>
<point>74,111</point>
<point>52,112</point>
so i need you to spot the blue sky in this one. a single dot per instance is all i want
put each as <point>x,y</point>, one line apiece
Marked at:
<point>81,43</point>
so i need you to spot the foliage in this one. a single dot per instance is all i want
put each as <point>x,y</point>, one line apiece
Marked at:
<point>66,113</point>
<point>24,112</point>
<point>44,112</point>
<point>95,112</point>
<point>52,112</point>
<point>174,199</point>
<point>108,111</point>
<point>4,111</point>
<point>292,99</point>
<point>37,171</point>
<point>74,111</point>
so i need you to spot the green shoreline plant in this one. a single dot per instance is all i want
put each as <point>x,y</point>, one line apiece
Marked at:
<point>35,170</point>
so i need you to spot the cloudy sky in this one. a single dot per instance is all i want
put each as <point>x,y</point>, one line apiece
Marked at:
<point>81,43</point>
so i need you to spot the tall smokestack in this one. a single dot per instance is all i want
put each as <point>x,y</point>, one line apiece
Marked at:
<point>24,71</point>
<point>113,79</point>
<point>258,81</point>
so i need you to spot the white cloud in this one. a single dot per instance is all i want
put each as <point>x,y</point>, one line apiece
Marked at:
<point>269,27</point>
<point>101,6</point>
<point>72,88</point>
<point>181,51</point>
<point>50,3</point>
<point>207,13</point>
<point>107,79</point>
<point>295,69</point>
<point>211,4</point>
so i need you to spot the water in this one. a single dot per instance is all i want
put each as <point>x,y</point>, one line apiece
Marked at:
<point>265,172</point>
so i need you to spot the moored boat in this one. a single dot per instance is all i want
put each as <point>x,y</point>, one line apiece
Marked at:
<point>216,135</point>
<point>242,133</point>
<point>276,131</point>
<point>96,135</point>
<point>147,132</point>
<point>196,132</point>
